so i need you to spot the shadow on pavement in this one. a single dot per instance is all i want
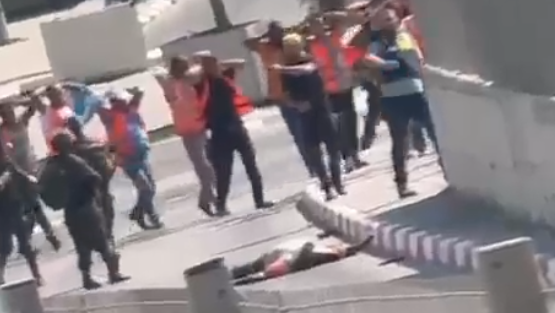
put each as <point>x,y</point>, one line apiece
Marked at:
<point>449,215</point>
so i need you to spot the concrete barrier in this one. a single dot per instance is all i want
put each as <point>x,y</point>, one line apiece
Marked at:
<point>111,41</point>
<point>496,144</point>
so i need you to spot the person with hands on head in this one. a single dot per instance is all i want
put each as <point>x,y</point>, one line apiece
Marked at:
<point>15,185</point>
<point>190,124</point>
<point>225,105</point>
<point>335,61</point>
<point>132,147</point>
<point>14,135</point>
<point>269,47</point>
<point>305,89</point>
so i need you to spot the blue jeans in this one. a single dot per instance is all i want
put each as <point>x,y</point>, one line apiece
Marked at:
<point>292,119</point>
<point>140,173</point>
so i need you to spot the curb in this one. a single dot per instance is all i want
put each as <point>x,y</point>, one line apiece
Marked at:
<point>391,239</point>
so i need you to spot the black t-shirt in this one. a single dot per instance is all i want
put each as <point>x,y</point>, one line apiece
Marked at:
<point>221,113</point>
<point>305,87</point>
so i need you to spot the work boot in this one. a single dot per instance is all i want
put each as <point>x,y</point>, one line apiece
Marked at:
<point>349,165</point>
<point>155,220</point>
<point>359,163</point>
<point>340,189</point>
<point>327,189</point>
<point>138,217</point>
<point>222,210</point>
<point>206,209</point>
<point>404,191</point>
<point>54,242</point>
<point>114,275</point>
<point>264,204</point>
<point>88,282</point>
<point>338,185</point>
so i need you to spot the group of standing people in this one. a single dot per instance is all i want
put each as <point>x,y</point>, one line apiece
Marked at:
<point>76,175</point>
<point>313,70</point>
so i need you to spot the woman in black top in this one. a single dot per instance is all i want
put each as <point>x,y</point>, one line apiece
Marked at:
<point>304,86</point>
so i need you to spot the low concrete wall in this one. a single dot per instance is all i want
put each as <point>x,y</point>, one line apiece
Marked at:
<point>226,45</point>
<point>111,41</point>
<point>496,144</point>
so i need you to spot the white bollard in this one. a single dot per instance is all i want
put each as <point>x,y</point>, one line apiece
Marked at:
<point>210,288</point>
<point>510,276</point>
<point>20,297</point>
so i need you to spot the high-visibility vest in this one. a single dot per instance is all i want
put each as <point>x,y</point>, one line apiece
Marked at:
<point>186,108</point>
<point>121,135</point>
<point>243,104</point>
<point>328,71</point>
<point>54,121</point>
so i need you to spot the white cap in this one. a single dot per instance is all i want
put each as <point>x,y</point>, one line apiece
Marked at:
<point>114,94</point>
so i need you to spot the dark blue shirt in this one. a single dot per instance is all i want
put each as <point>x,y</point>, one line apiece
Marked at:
<point>307,87</point>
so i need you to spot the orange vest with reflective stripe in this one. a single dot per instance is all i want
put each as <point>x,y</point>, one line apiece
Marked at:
<point>326,63</point>
<point>243,104</point>
<point>186,108</point>
<point>54,122</point>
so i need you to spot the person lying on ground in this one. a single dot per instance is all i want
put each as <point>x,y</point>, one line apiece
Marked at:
<point>294,256</point>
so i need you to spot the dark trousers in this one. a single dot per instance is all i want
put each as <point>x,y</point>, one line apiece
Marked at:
<point>417,137</point>
<point>36,215</point>
<point>14,225</point>
<point>317,129</point>
<point>87,228</point>
<point>345,117</point>
<point>222,148</point>
<point>372,118</point>
<point>292,119</point>
<point>106,202</point>
<point>398,113</point>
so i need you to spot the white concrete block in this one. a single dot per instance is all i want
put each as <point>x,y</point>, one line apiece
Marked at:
<point>95,45</point>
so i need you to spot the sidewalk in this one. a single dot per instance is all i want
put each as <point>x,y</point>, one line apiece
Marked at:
<point>436,226</point>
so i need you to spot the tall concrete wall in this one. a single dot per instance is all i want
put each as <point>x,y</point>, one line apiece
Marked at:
<point>497,144</point>
<point>495,137</point>
<point>507,41</point>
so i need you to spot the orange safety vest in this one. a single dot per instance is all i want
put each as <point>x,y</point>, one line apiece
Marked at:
<point>243,104</point>
<point>324,59</point>
<point>121,137</point>
<point>54,122</point>
<point>187,110</point>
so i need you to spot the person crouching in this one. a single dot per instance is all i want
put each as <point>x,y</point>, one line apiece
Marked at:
<point>305,88</point>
